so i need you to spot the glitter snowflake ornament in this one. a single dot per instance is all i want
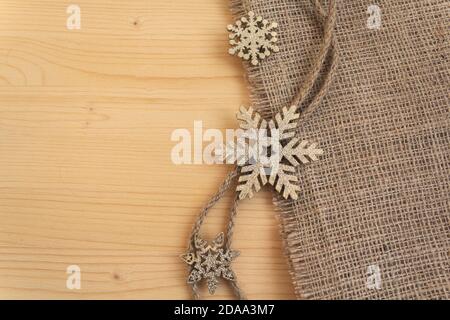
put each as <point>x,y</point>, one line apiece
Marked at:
<point>286,153</point>
<point>210,262</point>
<point>253,38</point>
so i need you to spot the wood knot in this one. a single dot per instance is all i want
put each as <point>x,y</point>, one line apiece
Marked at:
<point>116,276</point>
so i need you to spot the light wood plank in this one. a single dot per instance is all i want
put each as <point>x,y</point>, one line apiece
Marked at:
<point>86,175</point>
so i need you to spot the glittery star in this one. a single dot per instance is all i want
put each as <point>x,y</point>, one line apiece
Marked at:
<point>210,261</point>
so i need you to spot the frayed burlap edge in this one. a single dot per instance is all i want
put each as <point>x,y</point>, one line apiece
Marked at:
<point>290,247</point>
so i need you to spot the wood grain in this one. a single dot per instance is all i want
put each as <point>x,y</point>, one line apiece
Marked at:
<point>85,171</point>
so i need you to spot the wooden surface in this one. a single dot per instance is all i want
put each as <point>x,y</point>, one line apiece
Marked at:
<point>86,176</point>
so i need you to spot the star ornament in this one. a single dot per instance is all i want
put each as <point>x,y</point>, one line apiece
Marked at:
<point>210,262</point>
<point>253,38</point>
<point>286,153</point>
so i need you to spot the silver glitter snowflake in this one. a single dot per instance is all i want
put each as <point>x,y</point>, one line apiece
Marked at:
<point>210,262</point>
<point>253,38</point>
<point>270,158</point>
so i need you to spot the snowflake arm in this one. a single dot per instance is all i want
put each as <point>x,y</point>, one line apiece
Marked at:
<point>301,151</point>
<point>283,178</point>
<point>252,178</point>
<point>285,122</point>
<point>250,120</point>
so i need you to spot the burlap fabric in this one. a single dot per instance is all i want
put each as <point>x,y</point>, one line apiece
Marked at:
<point>380,196</point>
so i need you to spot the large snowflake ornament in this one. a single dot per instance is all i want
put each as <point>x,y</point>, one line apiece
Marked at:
<point>271,158</point>
<point>210,262</point>
<point>253,38</point>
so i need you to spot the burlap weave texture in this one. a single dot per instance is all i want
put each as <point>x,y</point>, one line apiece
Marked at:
<point>380,196</point>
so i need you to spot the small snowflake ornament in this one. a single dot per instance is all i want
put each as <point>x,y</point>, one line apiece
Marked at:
<point>210,262</point>
<point>253,38</point>
<point>286,152</point>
